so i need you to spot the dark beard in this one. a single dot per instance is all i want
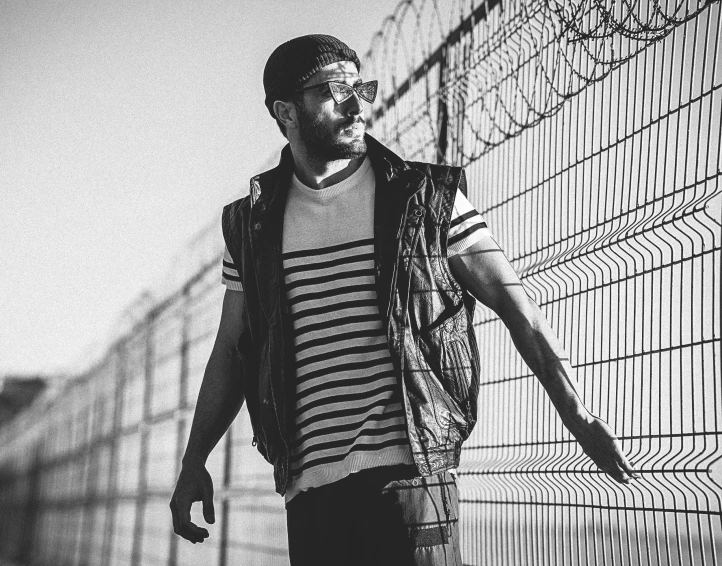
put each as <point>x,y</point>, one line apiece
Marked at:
<point>322,145</point>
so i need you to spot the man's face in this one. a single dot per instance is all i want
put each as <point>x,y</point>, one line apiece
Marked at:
<point>332,131</point>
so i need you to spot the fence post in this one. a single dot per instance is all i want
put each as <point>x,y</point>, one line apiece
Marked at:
<point>31,511</point>
<point>142,493</point>
<point>227,463</point>
<point>114,441</point>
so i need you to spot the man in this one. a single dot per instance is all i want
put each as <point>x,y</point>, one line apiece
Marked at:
<point>351,282</point>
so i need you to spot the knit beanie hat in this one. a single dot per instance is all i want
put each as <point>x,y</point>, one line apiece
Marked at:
<point>292,63</point>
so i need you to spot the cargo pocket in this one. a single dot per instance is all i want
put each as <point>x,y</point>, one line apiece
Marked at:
<point>430,510</point>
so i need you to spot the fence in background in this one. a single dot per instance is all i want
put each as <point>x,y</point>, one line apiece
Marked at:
<point>590,132</point>
<point>88,472</point>
<point>591,136</point>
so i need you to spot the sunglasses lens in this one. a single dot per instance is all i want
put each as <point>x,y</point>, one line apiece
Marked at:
<point>367,91</point>
<point>340,92</point>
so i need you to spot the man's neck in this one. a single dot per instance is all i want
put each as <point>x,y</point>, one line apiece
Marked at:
<point>321,174</point>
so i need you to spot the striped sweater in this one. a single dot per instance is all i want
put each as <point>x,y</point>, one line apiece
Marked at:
<point>349,415</point>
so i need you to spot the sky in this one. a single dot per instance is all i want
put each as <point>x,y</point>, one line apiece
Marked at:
<point>125,126</point>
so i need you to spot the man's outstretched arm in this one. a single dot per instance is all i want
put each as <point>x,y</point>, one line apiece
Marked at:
<point>219,400</point>
<point>485,272</point>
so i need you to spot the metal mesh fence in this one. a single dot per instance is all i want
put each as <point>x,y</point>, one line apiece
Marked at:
<point>86,474</point>
<point>590,132</point>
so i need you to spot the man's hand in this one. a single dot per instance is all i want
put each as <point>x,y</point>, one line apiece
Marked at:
<point>194,484</point>
<point>602,446</point>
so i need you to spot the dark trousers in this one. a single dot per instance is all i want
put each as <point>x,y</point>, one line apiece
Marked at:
<point>377,517</point>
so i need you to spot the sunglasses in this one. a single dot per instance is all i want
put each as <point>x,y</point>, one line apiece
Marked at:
<point>342,92</point>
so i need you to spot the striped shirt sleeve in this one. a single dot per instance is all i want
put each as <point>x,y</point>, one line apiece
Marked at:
<point>467,226</point>
<point>229,276</point>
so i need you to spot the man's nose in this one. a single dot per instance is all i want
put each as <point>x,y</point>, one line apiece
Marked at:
<point>355,105</point>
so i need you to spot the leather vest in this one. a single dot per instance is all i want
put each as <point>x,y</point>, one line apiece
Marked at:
<point>427,315</point>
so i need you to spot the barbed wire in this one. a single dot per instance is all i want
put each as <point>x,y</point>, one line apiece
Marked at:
<point>520,64</point>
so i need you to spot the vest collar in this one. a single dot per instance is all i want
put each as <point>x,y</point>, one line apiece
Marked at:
<point>269,189</point>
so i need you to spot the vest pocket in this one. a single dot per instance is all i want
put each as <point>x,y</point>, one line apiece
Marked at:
<point>443,359</point>
<point>458,373</point>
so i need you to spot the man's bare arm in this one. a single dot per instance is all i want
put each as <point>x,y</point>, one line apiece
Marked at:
<point>219,400</point>
<point>485,272</point>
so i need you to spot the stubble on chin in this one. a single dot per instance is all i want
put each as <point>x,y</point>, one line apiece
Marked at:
<point>349,148</point>
<point>336,147</point>
<point>352,150</point>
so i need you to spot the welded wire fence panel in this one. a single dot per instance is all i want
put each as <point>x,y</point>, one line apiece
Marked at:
<point>590,133</point>
<point>86,474</point>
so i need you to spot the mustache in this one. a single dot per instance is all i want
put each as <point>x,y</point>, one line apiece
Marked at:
<point>351,122</point>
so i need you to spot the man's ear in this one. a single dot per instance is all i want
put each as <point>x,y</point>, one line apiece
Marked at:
<point>285,112</point>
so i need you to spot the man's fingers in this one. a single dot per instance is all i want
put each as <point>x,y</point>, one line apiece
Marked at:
<point>174,514</point>
<point>182,524</point>
<point>616,471</point>
<point>616,474</point>
<point>192,532</point>
<point>209,513</point>
<point>608,463</point>
<point>628,467</point>
<point>621,463</point>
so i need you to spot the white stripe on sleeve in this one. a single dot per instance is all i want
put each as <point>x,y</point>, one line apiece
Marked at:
<point>467,226</point>
<point>229,276</point>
